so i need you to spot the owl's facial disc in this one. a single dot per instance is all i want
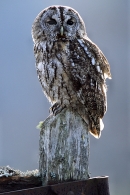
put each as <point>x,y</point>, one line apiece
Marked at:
<point>58,23</point>
<point>61,28</point>
<point>57,29</point>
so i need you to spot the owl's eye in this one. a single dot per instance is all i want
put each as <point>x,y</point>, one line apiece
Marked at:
<point>70,22</point>
<point>52,22</point>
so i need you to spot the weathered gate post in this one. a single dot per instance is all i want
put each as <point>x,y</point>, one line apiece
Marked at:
<point>64,156</point>
<point>64,148</point>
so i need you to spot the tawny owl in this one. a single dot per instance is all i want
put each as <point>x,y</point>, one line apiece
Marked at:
<point>71,68</point>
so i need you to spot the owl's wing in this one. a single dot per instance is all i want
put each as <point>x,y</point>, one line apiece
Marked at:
<point>88,69</point>
<point>100,58</point>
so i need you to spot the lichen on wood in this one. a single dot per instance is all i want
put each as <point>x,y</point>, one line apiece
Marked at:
<point>64,148</point>
<point>11,179</point>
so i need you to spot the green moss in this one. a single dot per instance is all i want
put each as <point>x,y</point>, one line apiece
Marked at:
<point>40,125</point>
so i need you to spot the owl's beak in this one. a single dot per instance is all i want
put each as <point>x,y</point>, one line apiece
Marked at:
<point>61,31</point>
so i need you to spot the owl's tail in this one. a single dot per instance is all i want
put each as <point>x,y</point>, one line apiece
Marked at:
<point>95,130</point>
<point>95,123</point>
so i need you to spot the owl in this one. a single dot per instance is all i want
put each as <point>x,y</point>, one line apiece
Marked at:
<point>71,69</point>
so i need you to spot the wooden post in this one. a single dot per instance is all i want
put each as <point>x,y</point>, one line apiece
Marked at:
<point>64,148</point>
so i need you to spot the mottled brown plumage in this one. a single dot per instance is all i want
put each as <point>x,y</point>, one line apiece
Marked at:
<point>71,68</point>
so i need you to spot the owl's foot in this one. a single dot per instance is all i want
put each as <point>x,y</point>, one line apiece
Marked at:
<point>56,108</point>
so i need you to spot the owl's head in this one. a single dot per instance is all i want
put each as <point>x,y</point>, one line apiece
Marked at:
<point>58,22</point>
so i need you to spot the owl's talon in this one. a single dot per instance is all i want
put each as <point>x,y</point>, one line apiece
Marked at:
<point>56,108</point>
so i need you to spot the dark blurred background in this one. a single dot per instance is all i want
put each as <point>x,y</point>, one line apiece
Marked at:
<point>23,105</point>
